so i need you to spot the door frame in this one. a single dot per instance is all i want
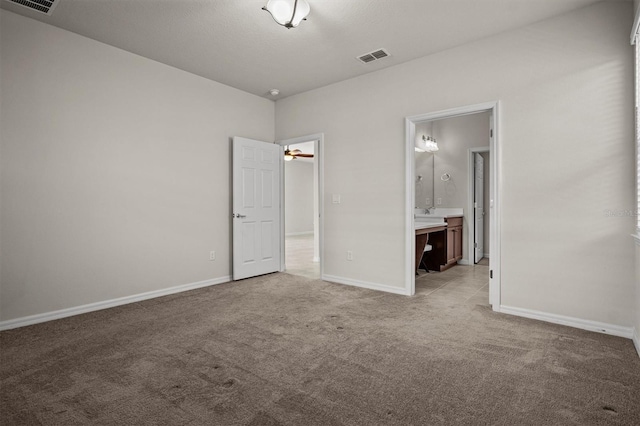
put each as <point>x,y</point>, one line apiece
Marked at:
<point>318,147</point>
<point>470,207</point>
<point>493,107</point>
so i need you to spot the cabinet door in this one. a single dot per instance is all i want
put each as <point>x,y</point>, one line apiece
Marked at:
<point>451,244</point>
<point>457,251</point>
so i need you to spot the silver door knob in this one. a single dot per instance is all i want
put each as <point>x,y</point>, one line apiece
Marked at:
<point>239,216</point>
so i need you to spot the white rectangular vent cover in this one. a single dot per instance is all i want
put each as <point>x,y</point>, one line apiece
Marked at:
<point>42,6</point>
<point>373,56</point>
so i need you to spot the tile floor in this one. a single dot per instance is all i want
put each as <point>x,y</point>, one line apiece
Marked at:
<point>299,256</point>
<point>460,284</point>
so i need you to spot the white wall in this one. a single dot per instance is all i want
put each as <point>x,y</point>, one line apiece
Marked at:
<point>566,122</point>
<point>637,300</point>
<point>455,137</point>
<point>298,197</point>
<point>637,287</point>
<point>115,170</point>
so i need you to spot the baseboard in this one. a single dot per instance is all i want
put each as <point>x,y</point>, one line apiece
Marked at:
<point>76,310</point>
<point>636,340</point>
<point>466,261</point>
<point>486,255</point>
<point>600,327</point>
<point>316,259</point>
<point>365,284</point>
<point>295,234</point>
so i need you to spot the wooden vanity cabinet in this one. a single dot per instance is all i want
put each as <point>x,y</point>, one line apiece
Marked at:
<point>447,246</point>
<point>454,240</point>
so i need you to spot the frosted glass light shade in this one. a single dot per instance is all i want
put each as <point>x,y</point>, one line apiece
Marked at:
<point>282,11</point>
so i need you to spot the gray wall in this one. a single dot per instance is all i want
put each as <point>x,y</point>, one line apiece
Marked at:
<point>115,170</point>
<point>560,253</point>
<point>298,197</point>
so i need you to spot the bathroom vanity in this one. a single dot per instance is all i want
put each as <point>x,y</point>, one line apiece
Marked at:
<point>443,229</point>
<point>423,232</point>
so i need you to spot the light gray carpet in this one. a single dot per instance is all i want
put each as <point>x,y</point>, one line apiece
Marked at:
<point>285,350</point>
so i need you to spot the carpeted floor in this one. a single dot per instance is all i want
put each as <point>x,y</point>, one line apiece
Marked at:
<point>286,350</point>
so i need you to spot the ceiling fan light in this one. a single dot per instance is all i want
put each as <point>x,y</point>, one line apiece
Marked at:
<point>288,13</point>
<point>288,157</point>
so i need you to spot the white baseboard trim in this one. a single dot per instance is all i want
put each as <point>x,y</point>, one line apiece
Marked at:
<point>486,255</point>
<point>636,340</point>
<point>364,284</point>
<point>599,327</point>
<point>316,259</point>
<point>97,306</point>
<point>295,234</point>
<point>466,261</point>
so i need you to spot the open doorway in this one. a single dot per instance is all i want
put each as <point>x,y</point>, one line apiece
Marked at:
<point>453,195</point>
<point>479,201</point>
<point>301,189</point>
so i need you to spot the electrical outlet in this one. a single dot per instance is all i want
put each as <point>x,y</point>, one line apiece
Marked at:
<point>439,201</point>
<point>336,198</point>
<point>428,201</point>
<point>349,255</point>
<point>212,255</point>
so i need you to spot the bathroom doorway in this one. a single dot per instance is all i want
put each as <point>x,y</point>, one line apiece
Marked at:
<point>302,206</point>
<point>450,175</point>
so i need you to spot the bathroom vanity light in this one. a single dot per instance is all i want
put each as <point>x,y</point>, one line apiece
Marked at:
<point>430,143</point>
<point>288,13</point>
<point>426,144</point>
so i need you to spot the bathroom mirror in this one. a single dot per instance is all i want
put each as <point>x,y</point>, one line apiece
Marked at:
<point>424,168</point>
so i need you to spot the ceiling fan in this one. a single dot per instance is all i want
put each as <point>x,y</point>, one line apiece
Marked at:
<point>295,153</point>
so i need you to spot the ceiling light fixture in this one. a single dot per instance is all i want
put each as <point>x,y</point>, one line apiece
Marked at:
<point>288,13</point>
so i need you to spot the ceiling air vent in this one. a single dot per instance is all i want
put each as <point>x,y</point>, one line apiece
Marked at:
<point>373,56</point>
<point>42,6</point>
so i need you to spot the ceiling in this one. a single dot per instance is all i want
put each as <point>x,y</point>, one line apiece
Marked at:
<point>236,43</point>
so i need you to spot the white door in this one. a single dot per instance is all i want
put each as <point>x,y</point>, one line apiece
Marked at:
<point>256,208</point>
<point>478,204</point>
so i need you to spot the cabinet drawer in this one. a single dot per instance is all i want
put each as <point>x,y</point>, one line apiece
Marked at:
<point>454,221</point>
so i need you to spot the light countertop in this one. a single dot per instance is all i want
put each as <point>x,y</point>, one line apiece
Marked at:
<point>425,225</point>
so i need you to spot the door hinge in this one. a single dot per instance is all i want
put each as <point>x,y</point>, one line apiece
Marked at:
<point>475,245</point>
<point>491,273</point>
<point>491,133</point>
